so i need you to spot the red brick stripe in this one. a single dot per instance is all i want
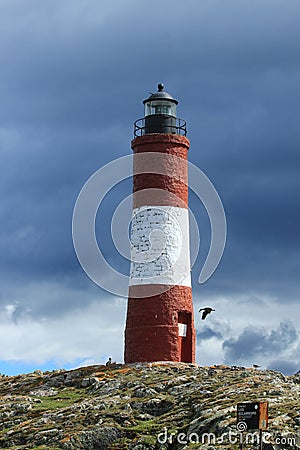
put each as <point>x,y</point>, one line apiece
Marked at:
<point>165,159</point>
<point>152,323</point>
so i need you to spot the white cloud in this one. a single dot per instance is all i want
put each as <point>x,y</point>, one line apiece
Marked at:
<point>93,329</point>
<point>92,332</point>
<point>256,322</point>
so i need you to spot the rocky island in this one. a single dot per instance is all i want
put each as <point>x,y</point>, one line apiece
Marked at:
<point>145,406</point>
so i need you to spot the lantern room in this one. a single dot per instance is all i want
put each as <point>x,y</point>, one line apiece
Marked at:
<point>160,115</point>
<point>160,103</point>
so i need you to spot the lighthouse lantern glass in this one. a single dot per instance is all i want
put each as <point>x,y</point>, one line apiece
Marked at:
<point>164,107</point>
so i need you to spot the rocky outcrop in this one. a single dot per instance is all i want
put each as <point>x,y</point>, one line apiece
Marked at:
<point>94,439</point>
<point>144,406</point>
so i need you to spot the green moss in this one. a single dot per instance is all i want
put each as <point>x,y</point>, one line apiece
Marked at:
<point>40,447</point>
<point>44,447</point>
<point>150,440</point>
<point>227,389</point>
<point>65,398</point>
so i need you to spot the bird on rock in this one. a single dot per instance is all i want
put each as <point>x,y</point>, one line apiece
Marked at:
<point>207,310</point>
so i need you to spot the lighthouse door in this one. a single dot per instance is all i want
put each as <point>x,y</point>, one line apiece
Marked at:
<point>184,336</point>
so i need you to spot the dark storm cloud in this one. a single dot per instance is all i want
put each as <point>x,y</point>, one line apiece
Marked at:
<point>52,300</point>
<point>215,329</point>
<point>254,342</point>
<point>63,70</point>
<point>286,367</point>
<point>208,333</point>
<point>77,58</point>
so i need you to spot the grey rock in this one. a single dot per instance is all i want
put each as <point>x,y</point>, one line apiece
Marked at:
<point>141,446</point>
<point>96,439</point>
<point>71,378</point>
<point>213,424</point>
<point>46,436</point>
<point>109,412</point>
<point>96,386</point>
<point>134,384</point>
<point>21,408</point>
<point>54,381</point>
<point>185,388</point>
<point>144,417</point>
<point>5,414</point>
<point>89,381</point>
<point>142,392</point>
<point>154,407</point>
<point>127,407</point>
<point>109,387</point>
<point>44,391</point>
<point>161,387</point>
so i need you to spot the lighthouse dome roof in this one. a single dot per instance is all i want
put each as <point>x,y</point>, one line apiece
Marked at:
<point>160,95</point>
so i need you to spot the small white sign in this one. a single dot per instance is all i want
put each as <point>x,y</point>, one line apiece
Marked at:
<point>182,328</point>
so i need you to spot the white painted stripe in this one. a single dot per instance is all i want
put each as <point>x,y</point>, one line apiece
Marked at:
<point>160,251</point>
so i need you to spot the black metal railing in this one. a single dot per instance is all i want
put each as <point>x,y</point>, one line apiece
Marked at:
<point>178,126</point>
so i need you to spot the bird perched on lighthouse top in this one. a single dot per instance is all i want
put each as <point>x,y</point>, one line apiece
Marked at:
<point>207,310</point>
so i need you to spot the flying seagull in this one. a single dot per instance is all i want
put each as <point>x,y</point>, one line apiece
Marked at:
<point>206,311</point>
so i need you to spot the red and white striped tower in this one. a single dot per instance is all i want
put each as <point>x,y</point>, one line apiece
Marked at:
<point>160,320</point>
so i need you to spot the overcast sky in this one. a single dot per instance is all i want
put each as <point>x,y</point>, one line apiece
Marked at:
<point>72,80</point>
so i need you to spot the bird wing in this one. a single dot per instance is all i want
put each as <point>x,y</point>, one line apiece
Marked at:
<point>204,314</point>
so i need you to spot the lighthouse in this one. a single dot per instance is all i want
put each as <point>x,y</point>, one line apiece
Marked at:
<point>160,319</point>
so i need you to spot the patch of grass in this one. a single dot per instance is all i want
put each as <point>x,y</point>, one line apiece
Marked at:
<point>40,447</point>
<point>44,447</point>
<point>64,399</point>
<point>150,440</point>
<point>4,431</point>
<point>148,430</point>
<point>146,426</point>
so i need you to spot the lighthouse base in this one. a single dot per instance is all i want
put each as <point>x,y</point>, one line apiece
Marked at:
<point>160,327</point>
